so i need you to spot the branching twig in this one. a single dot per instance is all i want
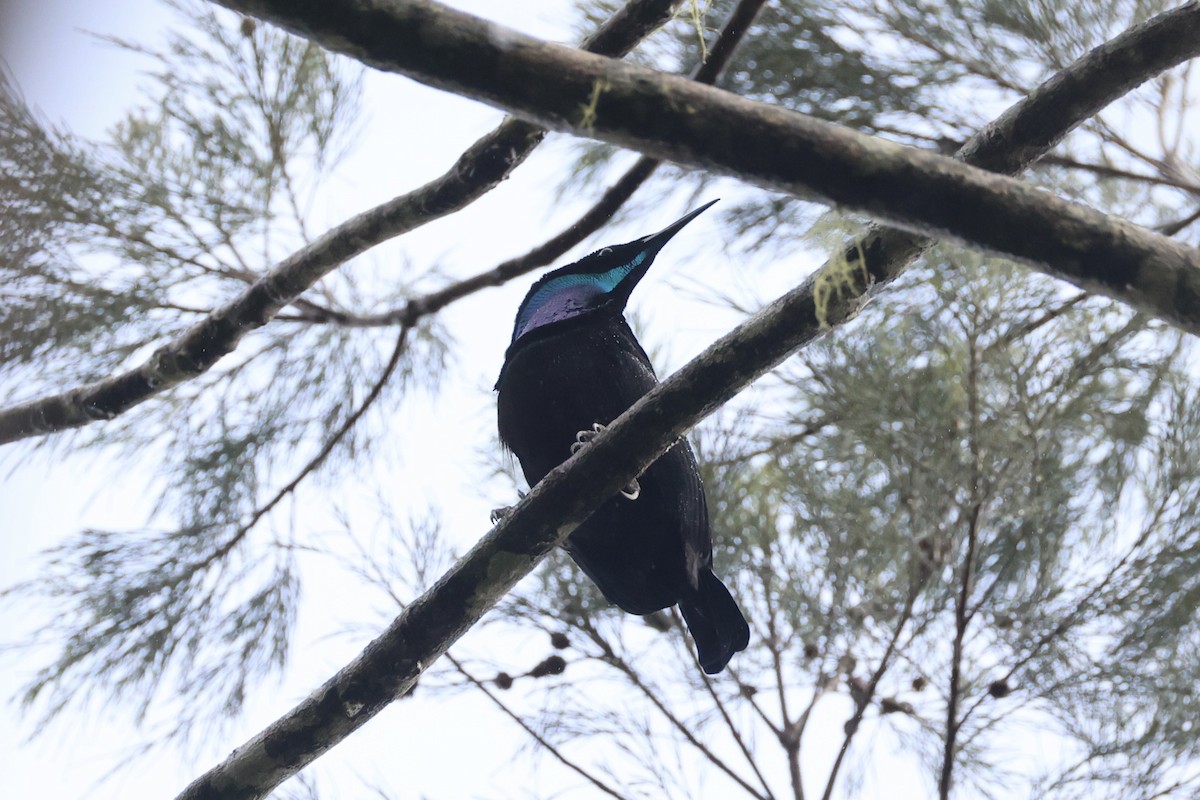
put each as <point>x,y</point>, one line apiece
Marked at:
<point>369,569</point>
<point>787,732</point>
<point>1082,606</point>
<point>1026,328</point>
<point>542,741</point>
<point>777,445</point>
<point>611,657</point>
<point>793,735</point>
<point>330,443</point>
<point>736,733</point>
<point>863,702</point>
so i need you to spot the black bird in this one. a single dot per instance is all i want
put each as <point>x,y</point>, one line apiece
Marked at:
<point>574,366</point>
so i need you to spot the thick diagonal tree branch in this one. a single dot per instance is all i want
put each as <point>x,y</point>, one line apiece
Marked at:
<point>670,118</point>
<point>485,164</point>
<point>391,664</point>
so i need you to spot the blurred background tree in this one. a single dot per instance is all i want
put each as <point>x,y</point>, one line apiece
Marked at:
<point>963,526</point>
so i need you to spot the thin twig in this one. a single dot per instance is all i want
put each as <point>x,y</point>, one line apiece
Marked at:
<point>777,445</point>
<point>1115,172</point>
<point>313,463</point>
<point>962,603</point>
<point>1173,228</point>
<point>861,705</point>
<point>1081,606</point>
<point>736,734</point>
<point>1026,328</point>
<point>542,741</point>
<point>332,442</point>
<point>611,657</point>
<point>762,715</point>
<point>380,579</point>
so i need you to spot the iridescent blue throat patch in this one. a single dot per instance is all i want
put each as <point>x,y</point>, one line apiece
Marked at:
<point>569,284</point>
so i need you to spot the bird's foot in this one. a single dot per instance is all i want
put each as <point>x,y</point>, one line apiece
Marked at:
<point>504,512</point>
<point>583,438</point>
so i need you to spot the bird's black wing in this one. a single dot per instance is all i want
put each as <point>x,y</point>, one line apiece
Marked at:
<point>678,469</point>
<point>642,553</point>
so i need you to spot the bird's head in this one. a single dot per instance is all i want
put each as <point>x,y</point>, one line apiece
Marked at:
<point>598,282</point>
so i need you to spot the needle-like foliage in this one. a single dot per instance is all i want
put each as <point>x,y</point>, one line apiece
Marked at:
<point>197,194</point>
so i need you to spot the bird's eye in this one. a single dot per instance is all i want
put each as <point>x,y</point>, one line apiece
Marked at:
<point>604,251</point>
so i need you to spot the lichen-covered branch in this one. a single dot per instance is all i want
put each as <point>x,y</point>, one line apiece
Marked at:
<point>485,164</point>
<point>671,118</point>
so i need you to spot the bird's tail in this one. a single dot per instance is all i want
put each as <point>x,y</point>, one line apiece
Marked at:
<point>716,623</point>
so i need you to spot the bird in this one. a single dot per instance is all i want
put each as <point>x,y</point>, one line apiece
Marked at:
<point>572,367</point>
